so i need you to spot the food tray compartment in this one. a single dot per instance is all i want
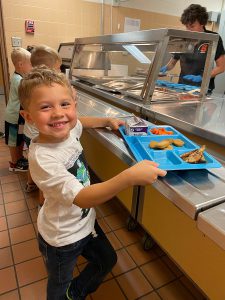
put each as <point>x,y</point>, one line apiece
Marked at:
<point>167,159</point>
<point>188,144</point>
<point>167,128</point>
<point>209,159</point>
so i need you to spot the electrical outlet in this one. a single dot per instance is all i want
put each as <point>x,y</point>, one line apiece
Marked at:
<point>16,41</point>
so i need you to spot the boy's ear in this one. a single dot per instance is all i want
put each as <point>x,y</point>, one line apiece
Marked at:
<point>26,115</point>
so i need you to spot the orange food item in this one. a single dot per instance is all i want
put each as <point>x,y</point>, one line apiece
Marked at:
<point>160,131</point>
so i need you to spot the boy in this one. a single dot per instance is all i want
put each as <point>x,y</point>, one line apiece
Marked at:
<point>13,121</point>
<point>66,222</point>
<point>40,55</point>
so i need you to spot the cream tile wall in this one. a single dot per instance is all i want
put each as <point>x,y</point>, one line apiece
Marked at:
<point>55,21</point>
<point>61,21</point>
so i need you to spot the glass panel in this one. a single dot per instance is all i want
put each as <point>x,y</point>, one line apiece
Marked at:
<point>132,68</point>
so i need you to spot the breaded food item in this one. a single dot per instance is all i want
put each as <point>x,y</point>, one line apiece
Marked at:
<point>178,142</point>
<point>153,144</point>
<point>195,156</point>
<point>159,145</point>
<point>170,147</point>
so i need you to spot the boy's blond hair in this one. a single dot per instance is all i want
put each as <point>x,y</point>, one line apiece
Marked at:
<point>44,55</point>
<point>19,55</point>
<point>40,76</point>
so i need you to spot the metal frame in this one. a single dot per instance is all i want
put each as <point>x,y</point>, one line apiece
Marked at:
<point>163,38</point>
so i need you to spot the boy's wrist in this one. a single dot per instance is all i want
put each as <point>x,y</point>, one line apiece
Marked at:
<point>108,122</point>
<point>126,177</point>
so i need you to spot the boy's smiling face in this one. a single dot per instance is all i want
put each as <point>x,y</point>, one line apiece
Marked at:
<point>53,111</point>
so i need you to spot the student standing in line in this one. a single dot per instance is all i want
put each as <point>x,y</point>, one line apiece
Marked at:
<point>195,18</point>
<point>13,120</point>
<point>67,223</point>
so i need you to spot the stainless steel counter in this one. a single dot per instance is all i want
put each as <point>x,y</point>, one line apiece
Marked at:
<point>117,99</point>
<point>192,191</point>
<point>202,118</point>
<point>212,223</point>
<point>205,119</point>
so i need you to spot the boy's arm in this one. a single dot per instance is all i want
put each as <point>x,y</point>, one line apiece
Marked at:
<point>143,173</point>
<point>95,122</point>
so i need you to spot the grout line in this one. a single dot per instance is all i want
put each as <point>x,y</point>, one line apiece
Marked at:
<point>10,246</point>
<point>2,294</point>
<point>121,288</point>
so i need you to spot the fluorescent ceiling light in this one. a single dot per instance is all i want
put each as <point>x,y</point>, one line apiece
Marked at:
<point>133,50</point>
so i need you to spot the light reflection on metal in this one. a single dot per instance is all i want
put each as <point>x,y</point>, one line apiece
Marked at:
<point>133,50</point>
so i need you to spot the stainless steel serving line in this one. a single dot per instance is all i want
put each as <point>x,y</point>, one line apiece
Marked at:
<point>205,119</point>
<point>192,191</point>
<point>126,54</point>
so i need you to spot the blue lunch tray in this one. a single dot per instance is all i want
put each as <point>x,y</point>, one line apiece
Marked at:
<point>167,159</point>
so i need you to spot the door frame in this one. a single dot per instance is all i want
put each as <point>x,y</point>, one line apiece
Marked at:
<point>3,56</point>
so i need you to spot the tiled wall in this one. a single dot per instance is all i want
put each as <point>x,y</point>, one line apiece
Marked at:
<point>55,21</point>
<point>149,20</point>
<point>61,21</point>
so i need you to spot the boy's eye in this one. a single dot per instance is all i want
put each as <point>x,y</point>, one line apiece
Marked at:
<point>66,103</point>
<point>44,107</point>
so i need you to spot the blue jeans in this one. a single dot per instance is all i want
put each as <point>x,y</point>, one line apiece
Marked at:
<point>60,263</point>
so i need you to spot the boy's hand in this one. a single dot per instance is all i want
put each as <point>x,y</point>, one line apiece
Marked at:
<point>114,124</point>
<point>144,172</point>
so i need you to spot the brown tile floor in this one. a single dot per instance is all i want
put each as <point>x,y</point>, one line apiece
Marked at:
<point>139,274</point>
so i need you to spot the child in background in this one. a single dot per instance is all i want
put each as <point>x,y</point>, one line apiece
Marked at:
<point>40,55</point>
<point>67,223</point>
<point>44,55</point>
<point>13,121</point>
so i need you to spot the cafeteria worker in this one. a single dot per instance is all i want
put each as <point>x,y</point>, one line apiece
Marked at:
<point>195,18</point>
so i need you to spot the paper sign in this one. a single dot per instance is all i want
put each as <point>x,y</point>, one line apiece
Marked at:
<point>131,24</point>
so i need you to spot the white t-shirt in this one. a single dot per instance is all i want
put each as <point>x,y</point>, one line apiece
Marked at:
<point>30,131</point>
<point>60,171</point>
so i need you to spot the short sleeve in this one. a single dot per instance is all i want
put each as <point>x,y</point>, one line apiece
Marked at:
<point>220,49</point>
<point>53,178</point>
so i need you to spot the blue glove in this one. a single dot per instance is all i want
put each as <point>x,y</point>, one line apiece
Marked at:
<point>163,69</point>
<point>194,78</point>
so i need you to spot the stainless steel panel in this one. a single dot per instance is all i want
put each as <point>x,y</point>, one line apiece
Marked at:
<point>144,36</point>
<point>92,60</point>
<point>212,223</point>
<point>205,119</point>
<point>97,79</point>
<point>121,100</point>
<point>195,190</point>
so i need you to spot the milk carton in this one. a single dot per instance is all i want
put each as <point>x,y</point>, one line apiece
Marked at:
<point>136,126</point>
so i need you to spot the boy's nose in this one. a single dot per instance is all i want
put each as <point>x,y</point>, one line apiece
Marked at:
<point>57,112</point>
